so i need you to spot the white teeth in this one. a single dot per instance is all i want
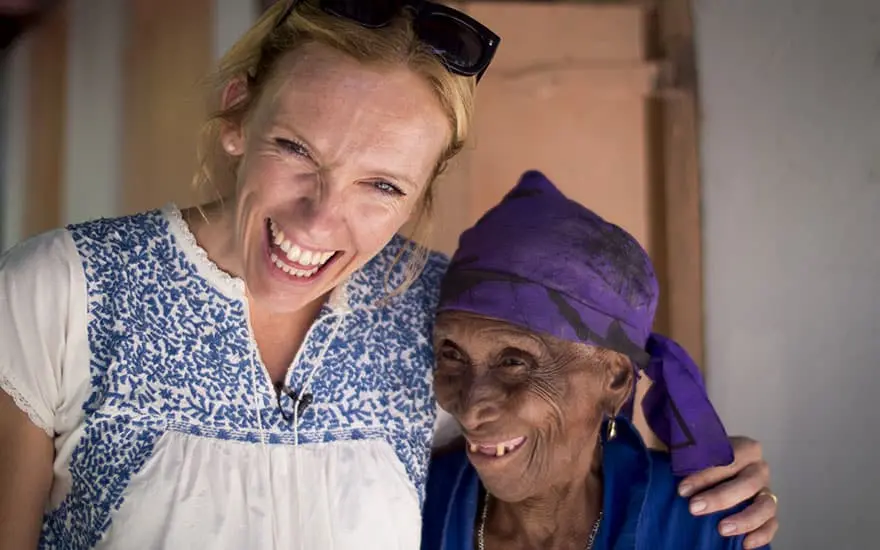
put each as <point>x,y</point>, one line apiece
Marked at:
<point>291,270</point>
<point>318,258</point>
<point>473,447</point>
<point>293,252</point>
<point>499,450</point>
<point>297,255</point>
<point>281,265</point>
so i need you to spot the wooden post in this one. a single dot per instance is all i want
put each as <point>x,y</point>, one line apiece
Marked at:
<point>168,53</point>
<point>46,121</point>
<point>679,151</point>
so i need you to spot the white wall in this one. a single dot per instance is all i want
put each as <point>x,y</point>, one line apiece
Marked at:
<point>231,19</point>
<point>791,156</point>
<point>93,142</point>
<point>13,155</point>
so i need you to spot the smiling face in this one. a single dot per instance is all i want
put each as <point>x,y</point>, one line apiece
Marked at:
<point>333,161</point>
<point>530,406</point>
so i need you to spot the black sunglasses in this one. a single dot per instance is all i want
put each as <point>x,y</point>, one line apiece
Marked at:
<point>465,46</point>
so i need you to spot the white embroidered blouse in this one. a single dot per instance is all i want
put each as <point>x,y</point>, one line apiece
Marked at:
<point>126,344</point>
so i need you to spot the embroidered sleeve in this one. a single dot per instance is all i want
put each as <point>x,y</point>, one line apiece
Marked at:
<point>35,298</point>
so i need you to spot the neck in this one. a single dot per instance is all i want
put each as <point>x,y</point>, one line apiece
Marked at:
<point>561,517</point>
<point>213,226</point>
<point>280,335</point>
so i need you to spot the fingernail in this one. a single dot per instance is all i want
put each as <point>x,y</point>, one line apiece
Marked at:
<point>727,528</point>
<point>685,490</point>
<point>698,506</point>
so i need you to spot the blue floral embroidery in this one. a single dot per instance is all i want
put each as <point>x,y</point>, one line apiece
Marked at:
<point>372,367</point>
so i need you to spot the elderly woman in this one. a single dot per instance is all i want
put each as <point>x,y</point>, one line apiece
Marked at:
<point>255,373</point>
<point>544,313</point>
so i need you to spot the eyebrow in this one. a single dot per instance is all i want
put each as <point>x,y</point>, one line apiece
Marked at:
<point>523,340</point>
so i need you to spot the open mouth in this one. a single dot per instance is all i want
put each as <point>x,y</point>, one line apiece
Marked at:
<point>293,260</point>
<point>495,450</point>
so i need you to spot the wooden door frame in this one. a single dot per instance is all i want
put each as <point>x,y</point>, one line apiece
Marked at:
<point>167,55</point>
<point>678,197</point>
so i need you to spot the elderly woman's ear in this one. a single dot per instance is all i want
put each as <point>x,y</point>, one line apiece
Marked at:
<point>619,382</point>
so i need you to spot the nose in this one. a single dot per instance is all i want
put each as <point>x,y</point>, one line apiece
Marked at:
<point>480,404</point>
<point>321,207</point>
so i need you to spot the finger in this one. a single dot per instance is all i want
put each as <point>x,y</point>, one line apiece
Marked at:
<point>761,512</point>
<point>730,493</point>
<point>745,451</point>
<point>701,481</point>
<point>763,536</point>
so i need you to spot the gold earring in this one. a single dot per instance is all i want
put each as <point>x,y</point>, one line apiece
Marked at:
<point>612,429</point>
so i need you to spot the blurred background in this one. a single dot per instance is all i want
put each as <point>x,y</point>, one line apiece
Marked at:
<point>739,140</point>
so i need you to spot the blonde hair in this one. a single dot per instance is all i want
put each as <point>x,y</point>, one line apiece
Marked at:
<point>256,55</point>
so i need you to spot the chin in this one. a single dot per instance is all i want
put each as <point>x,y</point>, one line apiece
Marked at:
<point>506,476</point>
<point>511,486</point>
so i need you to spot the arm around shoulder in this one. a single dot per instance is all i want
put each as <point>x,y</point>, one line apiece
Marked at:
<point>37,295</point>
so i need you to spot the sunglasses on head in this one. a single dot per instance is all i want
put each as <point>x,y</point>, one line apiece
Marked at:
<point>465,46</point>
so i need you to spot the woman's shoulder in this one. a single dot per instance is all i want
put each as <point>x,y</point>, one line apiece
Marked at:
<point>45,258</point>
<point>666,515</point>
<point>42,318</point>
<point>54,261</point>
<point>429,279</point>
<point>113,234</point>
<point>391,269</point>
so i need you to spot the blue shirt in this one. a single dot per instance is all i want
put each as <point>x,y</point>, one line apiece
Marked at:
<point>641,506</point>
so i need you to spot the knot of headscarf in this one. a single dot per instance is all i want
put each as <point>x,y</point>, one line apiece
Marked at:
<point>678,410</point>
<point>543,262</point>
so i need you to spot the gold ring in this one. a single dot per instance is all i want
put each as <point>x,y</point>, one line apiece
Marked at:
<point>770,494</point>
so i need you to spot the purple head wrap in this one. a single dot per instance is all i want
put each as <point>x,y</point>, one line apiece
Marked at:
<point>543,262</point>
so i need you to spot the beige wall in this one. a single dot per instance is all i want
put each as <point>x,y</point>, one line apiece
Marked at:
<point>567,94</point>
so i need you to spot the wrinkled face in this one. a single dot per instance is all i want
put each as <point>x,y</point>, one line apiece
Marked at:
<point>530,406</point>
<point>333,163</point>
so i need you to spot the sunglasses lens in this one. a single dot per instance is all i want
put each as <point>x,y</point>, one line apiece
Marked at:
<point>371,14</point>
<point>458,44</point>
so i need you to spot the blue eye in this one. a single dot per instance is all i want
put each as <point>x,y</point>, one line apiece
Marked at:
<point>388,188</point>
<point>293,147</point>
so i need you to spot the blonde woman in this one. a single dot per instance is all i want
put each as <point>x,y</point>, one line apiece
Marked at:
<point>255,373</point>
